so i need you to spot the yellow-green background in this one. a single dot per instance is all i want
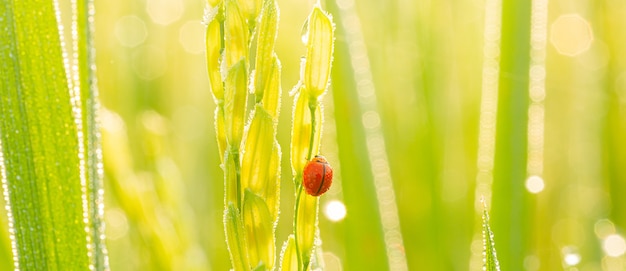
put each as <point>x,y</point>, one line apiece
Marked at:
<point>164,186</point>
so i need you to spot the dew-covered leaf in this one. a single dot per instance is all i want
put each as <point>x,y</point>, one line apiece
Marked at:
<point>490,259</point>
<point>46,190</point>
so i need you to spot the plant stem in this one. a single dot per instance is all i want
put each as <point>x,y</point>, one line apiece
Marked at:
<point>312,107</point>
<point>238,179</point>
<point>295,223</point>
<point>511,212</point>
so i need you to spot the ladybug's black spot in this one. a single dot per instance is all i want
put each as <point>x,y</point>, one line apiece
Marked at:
<point>322,182</point>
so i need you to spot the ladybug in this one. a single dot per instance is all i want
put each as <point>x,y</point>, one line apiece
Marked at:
<point>317,176</point>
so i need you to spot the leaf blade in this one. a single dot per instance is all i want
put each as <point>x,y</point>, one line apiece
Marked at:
<point>490,259</point>
<point>39,141</point>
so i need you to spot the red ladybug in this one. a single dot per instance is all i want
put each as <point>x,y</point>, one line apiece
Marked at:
<point>317,176</point>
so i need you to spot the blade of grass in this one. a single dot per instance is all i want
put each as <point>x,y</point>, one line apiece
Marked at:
<point>307,126</point>
<point>39,141</point>
<point>510,206</point>
<point>615,127</point>
<point>488,109</point>
<point>89,132</point>
<point>490,259</point>
<point>357,173</point>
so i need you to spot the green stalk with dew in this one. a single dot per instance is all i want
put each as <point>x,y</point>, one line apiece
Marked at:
<point>250,155</point>
<point>49,140</point>
<point>298,251</point>
<point>490,258</point>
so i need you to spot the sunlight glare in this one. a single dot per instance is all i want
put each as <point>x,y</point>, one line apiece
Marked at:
<point>614,245</point>
<point>335,211</point>
<point>534,184</point>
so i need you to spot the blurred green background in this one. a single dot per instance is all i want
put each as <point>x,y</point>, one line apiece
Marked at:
<point>433,104</point>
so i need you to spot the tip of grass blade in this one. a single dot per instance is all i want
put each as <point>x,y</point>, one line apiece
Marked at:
<point>490,259</point>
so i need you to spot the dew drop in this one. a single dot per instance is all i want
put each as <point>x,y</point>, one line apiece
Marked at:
<point>304,35</point>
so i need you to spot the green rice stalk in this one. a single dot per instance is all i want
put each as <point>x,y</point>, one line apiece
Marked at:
<point>307,128</point>
<point>251,159</point>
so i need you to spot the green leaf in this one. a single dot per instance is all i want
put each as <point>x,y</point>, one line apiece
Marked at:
<point>40,141</point>
<point>357,178</point>
<point>490,259</point>
<point>259,230</point>
<point>92,145</point>
<point>511,142</point>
